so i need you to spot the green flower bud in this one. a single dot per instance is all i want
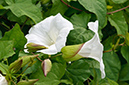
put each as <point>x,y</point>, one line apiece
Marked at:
<point>29,82</point>
<point>46,66</point>
<point>15,66</point>
<point>70,53</point>
<point>32,47</point>
<point>27,59</point>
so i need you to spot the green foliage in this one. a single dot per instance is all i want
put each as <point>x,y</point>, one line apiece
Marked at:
<point>124,73</point>
<point>118,21</point>
<point>98,7</point>
<point>79,36</point>
<point>17,36</point>
<point>6,49</point>
<point>125,53</point>
<point>19,68</point>
<point>78,71</point>
<point>53,77</point>
<point>20,8</point>
<point>80,20</point>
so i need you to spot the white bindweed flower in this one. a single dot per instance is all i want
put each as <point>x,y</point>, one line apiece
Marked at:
<point>90,49</point>
<point>93,48</point>
<point>3,81</point>
<point>51,33</point>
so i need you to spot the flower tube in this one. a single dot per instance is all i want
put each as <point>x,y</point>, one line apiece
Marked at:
<point>90,49</point>
<point>51,33</point>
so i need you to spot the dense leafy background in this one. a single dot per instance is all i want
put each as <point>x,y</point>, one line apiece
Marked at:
<point>17,16</point>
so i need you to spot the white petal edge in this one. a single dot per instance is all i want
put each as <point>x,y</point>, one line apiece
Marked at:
<point>3,81</point>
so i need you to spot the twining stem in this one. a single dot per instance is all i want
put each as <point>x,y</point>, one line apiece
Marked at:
<point>71,6</point>
<point>86,11</point>
<point>118,10</point>
<point>39,59</point>
<point>24,23</point>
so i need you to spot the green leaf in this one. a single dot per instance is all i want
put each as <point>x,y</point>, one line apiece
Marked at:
<point>119,1</point>
<point>3,68</point>
<point>80,20</point>
<point>79,36</point>
<point>19,20</point>
<point>52,78</point>
<point>6,49</point>
<point>118,21</point>
<point>124,52</point>
<point>112,65</point>
<point>58,7</point>
<point>78,71</point>
<point>124,73</point>
<point>17,36</point>
<point>24,7</point>
<point>96,6</point>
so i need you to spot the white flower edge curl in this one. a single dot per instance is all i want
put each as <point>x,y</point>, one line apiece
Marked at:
<point>52,33</point>
<point>93,48</point>
<point>3,81</point>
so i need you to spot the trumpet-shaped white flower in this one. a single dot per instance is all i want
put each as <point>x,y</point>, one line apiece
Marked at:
<point>93,48</point>
<point>3,81</point>
<point>51,33</point>
<point>90,49</point>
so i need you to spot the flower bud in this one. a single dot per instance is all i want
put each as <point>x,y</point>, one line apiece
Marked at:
<point>15,66</point>
<point>27,59</point>
<point>29,82</point>
<point>70,53</point>
<point>3,81</point>
<point>32,47</point>
<point>46,66</point>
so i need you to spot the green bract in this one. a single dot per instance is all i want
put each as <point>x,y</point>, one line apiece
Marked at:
<point>70,53</point>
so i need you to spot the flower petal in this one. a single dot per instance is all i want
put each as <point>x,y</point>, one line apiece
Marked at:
<point>3,81</point>
<point>51,51</point>
<point>51,32</point>
<point>93,26</point>
<point>93,48</point>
